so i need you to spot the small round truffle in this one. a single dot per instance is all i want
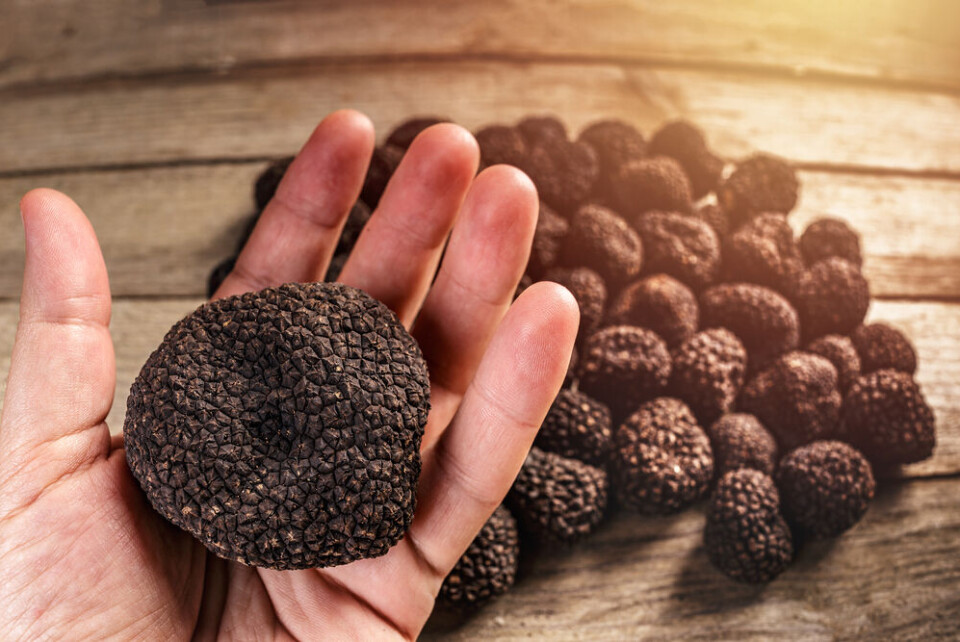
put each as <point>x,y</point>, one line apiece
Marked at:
<point>543,127</point>
<point>624,366</point>
<point>616,143</point>
<point>796,398</point>
<point>588,289</point>
<point>564,172</point>
<point>602,241</point>
<point>685,142</point>
<point>886,416</point>
<point>832,298</point>
<point>218,274</point>
<point>764,321</point>
<point>547,240</point>
<point>501,144</point>
<point>739,441</point>
<point>651,184</point>
<point>765,252</point>
<point>556,499</point>
<point>282,428</point>
<point>268,180</point>
<point>708,370</point>
<point>839,351</point>
<point>577,427</point>
<point>682,246</point>
<point>662,460</point>
<point>761,183</point>
<point>383,163</point>
<point>746,536</point>
<point>404,133</point>
<point>658,302</point>
<point>825,487</point>
<point>488,568</point>
<point>826,237</point>
<point>714,216</point>
<point>883,347</point>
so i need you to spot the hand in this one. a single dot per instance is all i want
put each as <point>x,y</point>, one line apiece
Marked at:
<point>82,554</point>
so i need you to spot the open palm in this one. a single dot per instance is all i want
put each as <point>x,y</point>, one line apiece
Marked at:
<point>82,554</point>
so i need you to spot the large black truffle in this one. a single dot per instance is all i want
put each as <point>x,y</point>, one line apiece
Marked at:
<point>739,440</point>
<point>662,460</point>
<point>825,487</point>
<point>658,302</point>
<point>282,428</point>
<point>602,241</point>
<point>833,298</point>
<point>578,427</point>
<point>826,237</point>
<point>685,142</point>
<point>882,347</point>
<point>886,416</point>
<point>547,241</point>
<point>651,184</point>
<point>838,350</point>
<point>588,289</point>
<point>556,499</point>
<point>796,398</point>
<point>764,251</point>
<point>488,568</point>
<point>746,536</point>
<point>708,371</point>
<point>684,247</point>
<point>761,183</point>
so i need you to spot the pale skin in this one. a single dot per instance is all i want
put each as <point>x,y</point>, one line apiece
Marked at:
<point>83,555</point>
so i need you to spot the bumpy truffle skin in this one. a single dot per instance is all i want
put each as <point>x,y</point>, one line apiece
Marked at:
<point>218,274</point>
<point>563,171</point>
<point>714,216</point>
<point>883,347</point>
<point>556,499</point>
<point>662,460</point>
<point>616,143</point>
<point>833,298</point>
<point>761,183</point>
<point>826,237</point>
<point>746,536</point>
<point>624,366</point>
<point>543,127</point>
<point>796,397</point>
<point>684,142</point>
<point>501,144</point>
<point>383,163</point>
<point>765,252</point>
<point>708,371</point>
<point>651,184</point>
<point>682,246</point>
<point>886,416</point>
<point>839,351</point>
<point>266,184</point>
<point>602,241</point>
<point>547,240</point>
<point>588,289</point>
<point>825,487</point>
<point>763,320</point>
<point>658,302</point>
<point>578,427</point>
<point>488,568</point>
<point>739,441</point>
<point>282,428</point>
<point>404,133</point>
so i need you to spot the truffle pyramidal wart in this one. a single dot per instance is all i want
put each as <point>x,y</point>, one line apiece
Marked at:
<point>282,428</point>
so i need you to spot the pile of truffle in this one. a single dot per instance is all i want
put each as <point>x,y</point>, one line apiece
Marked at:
<point>719,356</point>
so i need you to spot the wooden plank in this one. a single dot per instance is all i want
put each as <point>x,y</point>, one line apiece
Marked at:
<point>270,112</point>
<point>893,40</point>
<point>163,229</point>
<point>894,576</point>
<point>139,325</point>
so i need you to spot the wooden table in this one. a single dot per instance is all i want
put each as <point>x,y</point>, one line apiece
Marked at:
<point>156,116</point>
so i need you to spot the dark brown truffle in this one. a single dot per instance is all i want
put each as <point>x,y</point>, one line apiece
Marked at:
<point>658,302</point>
<point>616,143</point>
<point>542,127</point>
<point>882,347</point>
<point>746,536</point>
<point>651,184</point>
<point>547,241</point>
<point>404,133</point>
<point>833,298</point>
<point>826,237</point>
<point>763,320</point>
<point>266,184</point>
<point>602,241</point>
<point>556,499</point>
<point>684,142</point>
<point>765,252</point>
<point>839,351</point>
<point>796,398</point>
<point>577,427</point>
<point>488,568</point>
<point>739,441</point>
<point>588,289</point>
<point>501,144</point>
<point>662,460</point>
<point>714,216</point>
<point>623,366</point>
<point>282,428</point>
<point>563,171</point>
<point>218,274</point>
<point>761,183</point>
<point>383,163</point>
<point>825,487</point>
<point>682,246</point>
<point>886,416</point>
<point>708,371</point>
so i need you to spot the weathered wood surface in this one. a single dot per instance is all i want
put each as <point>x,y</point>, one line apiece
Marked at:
<point>269,112</point>
<point>887,40</point>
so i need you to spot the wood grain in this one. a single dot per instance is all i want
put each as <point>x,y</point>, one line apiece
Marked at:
<point>894,40</point>
<point>270,112</point>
